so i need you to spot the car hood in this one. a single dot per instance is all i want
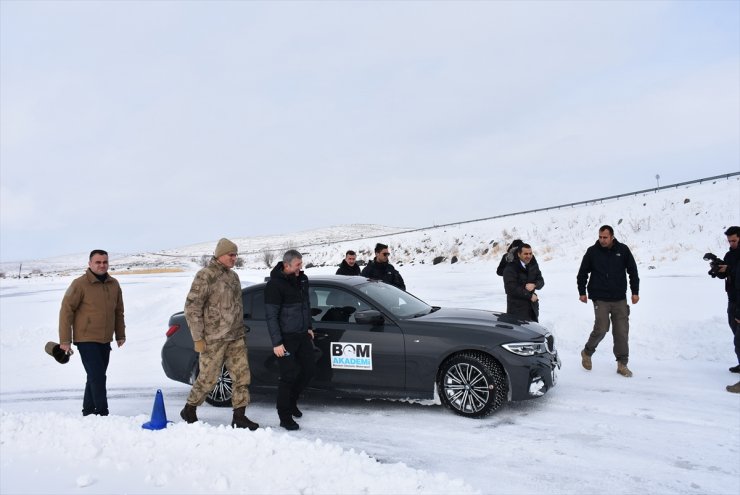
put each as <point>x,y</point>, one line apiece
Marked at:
<point>482,319</point>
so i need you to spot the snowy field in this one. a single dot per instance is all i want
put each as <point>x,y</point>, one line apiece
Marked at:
<point>672,428</point>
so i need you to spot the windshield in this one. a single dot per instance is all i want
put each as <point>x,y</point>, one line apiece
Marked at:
<point>399,303</point>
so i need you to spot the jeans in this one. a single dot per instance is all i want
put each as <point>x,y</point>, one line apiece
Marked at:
<point>95,357</point>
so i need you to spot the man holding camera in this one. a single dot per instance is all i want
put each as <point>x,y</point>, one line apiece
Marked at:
<point>727,271</point>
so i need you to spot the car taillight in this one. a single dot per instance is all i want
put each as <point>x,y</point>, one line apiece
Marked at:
<point>172,330</point>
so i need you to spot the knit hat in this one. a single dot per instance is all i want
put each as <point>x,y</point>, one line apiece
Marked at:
<point>225,246</point>
<point>53,350</point>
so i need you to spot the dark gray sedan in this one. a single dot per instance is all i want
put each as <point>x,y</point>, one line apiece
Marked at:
<point>376,341</point>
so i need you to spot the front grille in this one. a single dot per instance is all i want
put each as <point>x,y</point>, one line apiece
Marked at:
<point>550,343</point>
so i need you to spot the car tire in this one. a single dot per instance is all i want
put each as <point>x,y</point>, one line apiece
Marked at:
<point>221,394</point>
<point>472,384</point>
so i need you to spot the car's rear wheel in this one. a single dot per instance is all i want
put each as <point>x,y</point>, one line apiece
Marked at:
<point>472,384</point>
<point>221,394</point>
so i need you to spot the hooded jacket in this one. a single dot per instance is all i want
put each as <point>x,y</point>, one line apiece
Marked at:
<point>345,269</point>
<point>214,309</point>
<point>385,272</point>
<point>92,311</point>
<point>607,267</point>
<point>287,306</point>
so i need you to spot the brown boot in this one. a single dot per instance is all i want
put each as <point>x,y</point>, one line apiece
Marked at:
<point>735,389</point>
<point>241,421</point>
<point>585,360</point>
<point>188,414</point>
<point>623,370</point>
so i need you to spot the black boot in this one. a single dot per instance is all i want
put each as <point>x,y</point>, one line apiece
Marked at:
<point>286,421</point>
<point>241,421</point>
<point>294,411</point>
<point>188,414</point>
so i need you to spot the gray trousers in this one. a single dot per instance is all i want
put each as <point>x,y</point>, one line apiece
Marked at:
<point>616,312</point>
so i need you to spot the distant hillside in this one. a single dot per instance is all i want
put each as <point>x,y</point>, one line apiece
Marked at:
<point>661,227</point>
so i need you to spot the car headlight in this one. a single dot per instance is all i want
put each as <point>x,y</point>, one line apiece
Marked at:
<point>526,348</point>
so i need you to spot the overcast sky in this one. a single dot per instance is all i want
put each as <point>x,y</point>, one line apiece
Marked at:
<point>139,126</point>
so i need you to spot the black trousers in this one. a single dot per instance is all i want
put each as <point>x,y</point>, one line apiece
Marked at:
<point>296,371</point>
<point>95,357</point>
<point>734,326</point>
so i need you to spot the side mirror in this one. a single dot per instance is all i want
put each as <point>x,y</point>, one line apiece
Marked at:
<point>369,317</point>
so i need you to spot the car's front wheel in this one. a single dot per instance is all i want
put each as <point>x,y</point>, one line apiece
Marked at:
<point>472,384</point>
<point>220,396</point>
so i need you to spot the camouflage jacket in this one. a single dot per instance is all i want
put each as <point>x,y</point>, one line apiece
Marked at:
<point>213,308</point>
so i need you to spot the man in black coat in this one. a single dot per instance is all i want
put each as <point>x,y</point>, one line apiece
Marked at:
<point>380,269</point>
<point>736,387</point>
<point>349,264</point>
<point>288,314</point>
<point>604,266</point>
<point>727,272</point>
<point>522,277</point>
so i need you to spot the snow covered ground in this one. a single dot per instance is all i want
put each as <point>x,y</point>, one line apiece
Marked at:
<point>672,428</point>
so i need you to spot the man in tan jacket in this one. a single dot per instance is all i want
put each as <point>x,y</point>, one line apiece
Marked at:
<point>91,314</point>
<point>215,315</point>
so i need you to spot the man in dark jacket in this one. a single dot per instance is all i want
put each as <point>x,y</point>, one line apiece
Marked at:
<point>727,271</point>
<point>736,387</point>
<point>380,269</point>
<point>288,313</point>
<point>349,264</point>
<point>521,278</point>
<point>606,262</point>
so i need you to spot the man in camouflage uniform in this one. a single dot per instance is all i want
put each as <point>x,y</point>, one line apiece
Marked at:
<point>214,313</point>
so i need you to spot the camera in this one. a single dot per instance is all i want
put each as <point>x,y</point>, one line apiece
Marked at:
<point>714,264</point>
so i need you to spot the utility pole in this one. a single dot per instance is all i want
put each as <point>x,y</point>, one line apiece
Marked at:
<point>19,269</point>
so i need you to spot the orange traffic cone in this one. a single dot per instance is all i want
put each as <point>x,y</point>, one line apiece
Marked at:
<point>159,416</point>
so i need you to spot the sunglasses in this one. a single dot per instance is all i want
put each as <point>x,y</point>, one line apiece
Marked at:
<point>386,254</point>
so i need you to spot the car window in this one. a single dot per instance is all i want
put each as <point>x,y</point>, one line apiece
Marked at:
<point>254,305</point>
<point>332,304</point>
<point>399,303</point>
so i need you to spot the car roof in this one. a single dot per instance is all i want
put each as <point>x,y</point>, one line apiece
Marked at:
<point>346,280</point>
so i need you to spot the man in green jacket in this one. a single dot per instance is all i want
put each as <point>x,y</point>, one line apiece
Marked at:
<point>215,315</point>
<point>91,314</point>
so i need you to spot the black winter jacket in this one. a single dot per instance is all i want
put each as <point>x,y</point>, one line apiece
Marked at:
<point>345,269</point>
<point>385,273</point>
<point>287,306</point>
<point>737,291</point>
<point>607,266</point>
<point>518,298</point>
<point>731,259</point>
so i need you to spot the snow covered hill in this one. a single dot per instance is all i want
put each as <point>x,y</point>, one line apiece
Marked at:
<point>660,227</point>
